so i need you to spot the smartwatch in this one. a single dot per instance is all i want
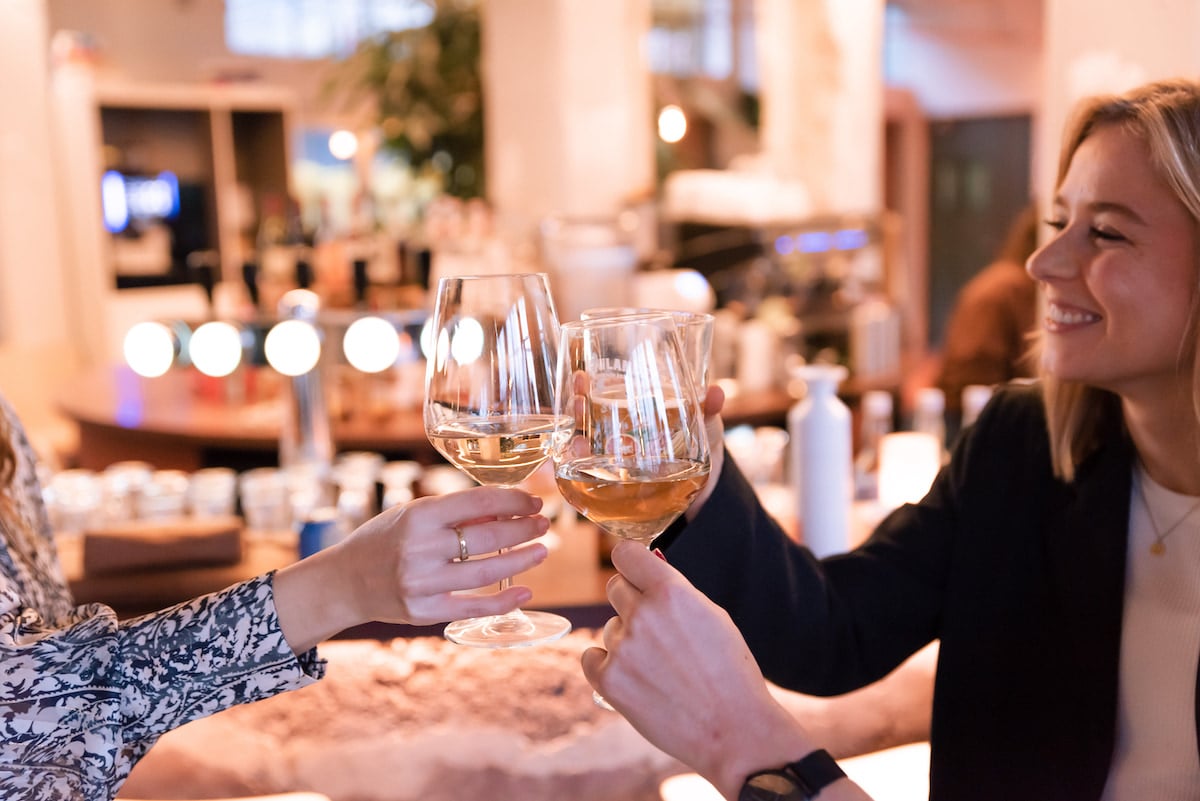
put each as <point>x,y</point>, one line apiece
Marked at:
<point>796,781</point>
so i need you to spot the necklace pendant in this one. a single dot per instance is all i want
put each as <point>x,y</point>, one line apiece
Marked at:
<point>1158,548</point>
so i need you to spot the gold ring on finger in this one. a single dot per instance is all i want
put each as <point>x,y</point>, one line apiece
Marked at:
<point>463,553</point>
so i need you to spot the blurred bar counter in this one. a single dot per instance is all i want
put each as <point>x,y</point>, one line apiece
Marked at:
<point>185,421</point>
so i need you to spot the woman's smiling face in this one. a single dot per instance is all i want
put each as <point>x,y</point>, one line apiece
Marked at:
<point>1119,275</point>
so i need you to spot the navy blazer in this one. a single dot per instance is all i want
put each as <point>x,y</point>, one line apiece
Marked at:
<point>1019,574</point>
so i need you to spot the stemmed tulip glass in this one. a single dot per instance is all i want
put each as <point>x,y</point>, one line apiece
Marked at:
<point>638,454</point>
<point>489,408</point>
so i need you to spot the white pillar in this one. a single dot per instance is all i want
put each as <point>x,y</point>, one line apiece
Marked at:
<point>1090,51</point>
<point>568,108</point>
<point>32,312</point>
<point>821,75</point>
<point>39,328</point>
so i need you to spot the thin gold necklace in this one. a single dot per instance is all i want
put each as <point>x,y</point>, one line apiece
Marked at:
<point>1159,546</point>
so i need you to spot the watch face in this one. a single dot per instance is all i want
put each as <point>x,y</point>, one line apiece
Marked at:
<point>771,785</point>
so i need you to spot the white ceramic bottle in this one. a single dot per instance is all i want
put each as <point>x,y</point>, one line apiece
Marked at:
<point>821,467</point>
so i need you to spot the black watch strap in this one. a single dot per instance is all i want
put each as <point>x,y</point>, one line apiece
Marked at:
<point>801,780</point>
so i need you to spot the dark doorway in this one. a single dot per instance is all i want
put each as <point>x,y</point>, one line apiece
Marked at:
<point>979,182</point>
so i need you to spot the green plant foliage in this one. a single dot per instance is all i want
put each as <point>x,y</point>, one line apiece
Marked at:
<point>426,89</point>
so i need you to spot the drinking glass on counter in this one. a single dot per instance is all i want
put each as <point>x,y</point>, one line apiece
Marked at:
<point>398,479</point>
<point>74,498</point>
<point>123,482</point>
<point>212,492</point>
<point>639,452</point>
<point>356,474</point>
<point>164,496</point>
<point>489,407</point>
<point>265,502</point>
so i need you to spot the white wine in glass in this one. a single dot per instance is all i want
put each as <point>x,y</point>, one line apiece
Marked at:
<point>628,501</point>
<point>638,452</point>
<point>499,451</point>
<point>489,408</point>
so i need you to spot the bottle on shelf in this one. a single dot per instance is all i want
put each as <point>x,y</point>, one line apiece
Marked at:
<point>362,283</point>
<point>203,267</point>
<point>876,409</point>
<point>304,277</point>
<point>275,258</point>
<point>974,398</point>
<point>331,256</point>
<point>250,279</point>
<point>929,415</point>
<point>820,468</point>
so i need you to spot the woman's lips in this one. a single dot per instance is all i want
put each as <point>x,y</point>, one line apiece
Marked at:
<point>1061,317</point>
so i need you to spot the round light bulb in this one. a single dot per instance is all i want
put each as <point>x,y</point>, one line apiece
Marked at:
<point>343,144</point>
<point>149,349</point>
<point>672,124</point>
<point>371,344</point>
<point>216,349</point>
<point>292,347</point>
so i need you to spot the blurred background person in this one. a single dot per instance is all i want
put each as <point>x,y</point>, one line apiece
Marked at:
<point>987,336</point>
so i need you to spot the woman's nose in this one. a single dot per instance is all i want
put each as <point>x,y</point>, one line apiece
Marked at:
<point>1051,261</point>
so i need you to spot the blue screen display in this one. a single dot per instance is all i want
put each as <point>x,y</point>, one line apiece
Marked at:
<point>129,198</point>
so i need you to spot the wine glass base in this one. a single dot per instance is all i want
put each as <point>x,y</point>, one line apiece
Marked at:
<point>514,630</point>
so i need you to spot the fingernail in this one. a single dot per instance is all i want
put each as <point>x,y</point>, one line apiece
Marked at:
<point>659,554</point>
<point>543,524</point>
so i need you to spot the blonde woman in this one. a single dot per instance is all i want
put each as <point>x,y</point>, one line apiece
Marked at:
<point>1056,558</point>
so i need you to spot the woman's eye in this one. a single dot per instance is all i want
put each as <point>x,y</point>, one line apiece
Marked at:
<point>1107,234</point>
<point>1057,225</point>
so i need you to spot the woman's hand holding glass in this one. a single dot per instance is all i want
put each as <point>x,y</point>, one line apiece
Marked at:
<point>489,408</point>
<point>402,566</point>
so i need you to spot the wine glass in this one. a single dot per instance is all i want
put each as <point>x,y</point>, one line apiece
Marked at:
<point>489,408</point>
<point>638,454</point>
<point>695,331</point>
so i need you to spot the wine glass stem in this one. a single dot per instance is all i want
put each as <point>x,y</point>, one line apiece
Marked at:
<point>507,581</point>
<point>513,628</point>
<point>514,621</point>
<point>509,622</point>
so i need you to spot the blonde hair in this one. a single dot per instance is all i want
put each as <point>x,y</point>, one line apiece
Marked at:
<point>1166,116</point>
<point>8,459</point>
<point>8,468</point>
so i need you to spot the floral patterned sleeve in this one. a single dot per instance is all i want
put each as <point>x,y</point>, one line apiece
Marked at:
<point>82,701</point>
<point>82,695</point>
